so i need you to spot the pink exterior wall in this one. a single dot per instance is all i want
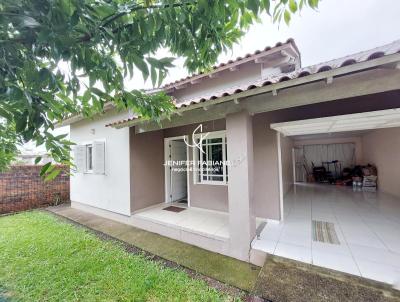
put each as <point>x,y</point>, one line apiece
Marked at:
<point>147,159</point>
<point>265,150</point>
<point>382,148</point>
<point>146,168</point>
<point>214,197</point>
<point>242,222</point>
<point>287,164</point>
<point>266,181</point>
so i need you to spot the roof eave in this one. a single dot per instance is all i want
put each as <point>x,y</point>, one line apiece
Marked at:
<point>289,44</point>
<point>79,117</point>
<point>326,75</point>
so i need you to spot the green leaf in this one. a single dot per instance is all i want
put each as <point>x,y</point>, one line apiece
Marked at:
<point>141,64</point>
<point>53,174</point>
<point>44,168</point>
<point>253,5</point>
<point>153,76</point>
<point>38,159</point>
<point>287,17</point>
<point>313,3</point>
<point>21,122</point>
<point>167,62</point>
<point>99,43</point>
<point>293,6</point>
<point>267,6</point>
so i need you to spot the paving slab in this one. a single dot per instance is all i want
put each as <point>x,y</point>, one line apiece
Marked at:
<point>284,280</point>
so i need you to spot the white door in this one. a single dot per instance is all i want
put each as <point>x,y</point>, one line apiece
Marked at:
<point>178,176</point>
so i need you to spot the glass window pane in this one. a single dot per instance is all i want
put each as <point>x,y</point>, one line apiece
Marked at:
<point>215,156</point>
<point>89,153</point>
<point>214,140</point>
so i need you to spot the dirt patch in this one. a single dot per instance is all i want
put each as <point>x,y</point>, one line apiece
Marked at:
<point>5,296</point>
<point>283,280</point>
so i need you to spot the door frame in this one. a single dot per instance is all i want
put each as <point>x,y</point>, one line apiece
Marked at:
<point>167,176</point>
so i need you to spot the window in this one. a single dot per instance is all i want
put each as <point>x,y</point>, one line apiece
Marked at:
<point>89,158</point>
<point>210,163</point>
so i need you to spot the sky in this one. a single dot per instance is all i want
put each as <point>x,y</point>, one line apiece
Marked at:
<point>338,28</point>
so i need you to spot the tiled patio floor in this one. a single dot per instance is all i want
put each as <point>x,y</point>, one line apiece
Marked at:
<point>367,225</point>
<point>204,222</point>
<point>213,224</point>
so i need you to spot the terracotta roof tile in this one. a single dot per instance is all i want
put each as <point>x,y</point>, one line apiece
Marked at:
<point>302,72</point>
<point>231,62</point>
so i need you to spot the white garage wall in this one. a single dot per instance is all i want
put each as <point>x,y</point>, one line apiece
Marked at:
<point>110,191</point>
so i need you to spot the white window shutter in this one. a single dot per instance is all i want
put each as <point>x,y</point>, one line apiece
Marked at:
<point>98,157</point>
<point>80,158</point>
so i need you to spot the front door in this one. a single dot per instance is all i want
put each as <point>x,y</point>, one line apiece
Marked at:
<point>178,174</point>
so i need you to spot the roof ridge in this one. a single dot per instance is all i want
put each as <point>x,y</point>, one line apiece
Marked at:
<point>215,68</point>
<point>371,51</point>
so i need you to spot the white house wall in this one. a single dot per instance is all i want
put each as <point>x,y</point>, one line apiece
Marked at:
<point>225,79</point>
<point>110,191</point>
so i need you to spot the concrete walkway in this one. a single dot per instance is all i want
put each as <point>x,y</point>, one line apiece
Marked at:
<point>222,268</point>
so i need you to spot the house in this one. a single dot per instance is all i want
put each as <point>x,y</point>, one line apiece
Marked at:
<point>228,171</point>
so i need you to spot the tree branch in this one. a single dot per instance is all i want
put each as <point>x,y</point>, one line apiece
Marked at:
<point>109,19</point>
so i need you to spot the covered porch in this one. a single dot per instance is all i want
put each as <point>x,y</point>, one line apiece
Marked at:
<point>194,202</point>
<point>204,228</point>
<point>207,223</point>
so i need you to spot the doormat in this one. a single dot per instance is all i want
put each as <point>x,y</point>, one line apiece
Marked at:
<point>323,231</point>
<point>174,209</point>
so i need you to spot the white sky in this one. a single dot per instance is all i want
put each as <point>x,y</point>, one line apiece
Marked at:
<point>338,28</point>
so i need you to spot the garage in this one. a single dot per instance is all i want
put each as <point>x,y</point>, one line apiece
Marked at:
<point>340,194</point>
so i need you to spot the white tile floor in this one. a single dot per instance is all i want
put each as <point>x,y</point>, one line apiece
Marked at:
<point>209,223</point>
<point>367,224</point>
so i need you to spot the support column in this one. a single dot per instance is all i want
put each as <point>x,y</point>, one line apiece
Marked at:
<point>242,223</point>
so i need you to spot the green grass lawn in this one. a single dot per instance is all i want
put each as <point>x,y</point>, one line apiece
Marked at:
<point>44,259</point>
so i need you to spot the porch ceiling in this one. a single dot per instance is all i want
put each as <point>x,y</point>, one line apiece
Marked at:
<point>341,123</point>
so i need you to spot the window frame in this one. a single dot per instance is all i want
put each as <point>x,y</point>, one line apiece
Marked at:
<point>198,171</point>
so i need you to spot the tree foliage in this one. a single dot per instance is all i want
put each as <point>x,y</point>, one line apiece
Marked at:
<point>64,57</point>
<point>8,144</point>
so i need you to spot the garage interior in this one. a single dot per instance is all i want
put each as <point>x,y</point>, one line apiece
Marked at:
<point>340,194</point>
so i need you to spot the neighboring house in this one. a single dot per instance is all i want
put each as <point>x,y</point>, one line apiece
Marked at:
<point>30,158</point>
<point>28,154</point>
<point>256,110</point>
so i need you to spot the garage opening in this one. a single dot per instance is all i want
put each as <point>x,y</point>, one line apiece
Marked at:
<point>343,150</point>
<point>340,193</point>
